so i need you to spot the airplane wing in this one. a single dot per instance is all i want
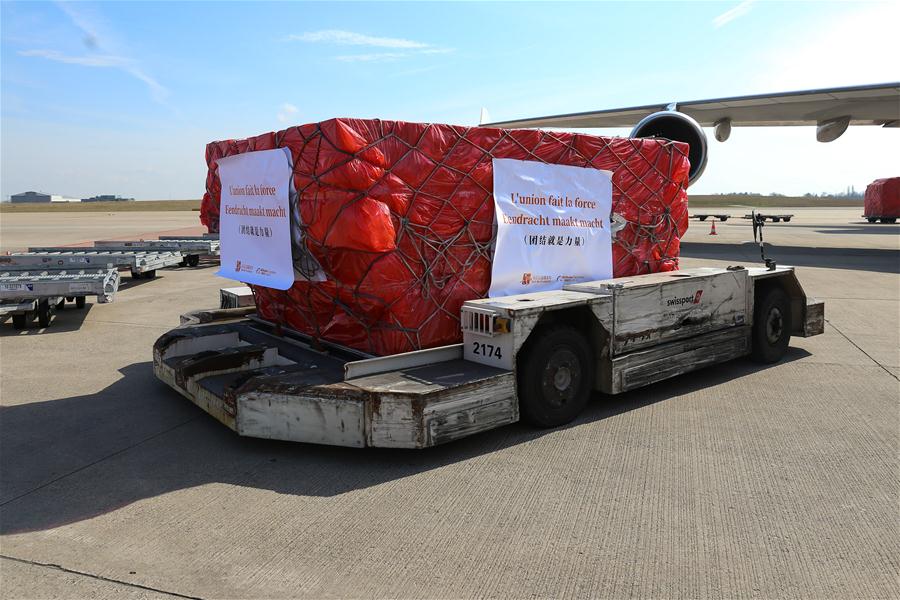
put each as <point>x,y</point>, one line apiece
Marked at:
<point>865,105</point>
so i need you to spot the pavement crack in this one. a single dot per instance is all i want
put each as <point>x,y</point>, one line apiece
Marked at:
<point>99,460</point>
<point>857,346</point>
<point>98,577</point>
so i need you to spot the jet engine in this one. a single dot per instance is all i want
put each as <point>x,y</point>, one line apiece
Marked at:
<point>679,127</point>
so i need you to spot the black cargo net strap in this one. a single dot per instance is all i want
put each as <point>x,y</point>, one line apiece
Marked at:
<point>439,265</point>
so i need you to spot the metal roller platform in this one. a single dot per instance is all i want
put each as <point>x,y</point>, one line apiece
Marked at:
<point>26,292</point>
<point>191,249</point>
<point>141,263</point>
<point>21,284</point>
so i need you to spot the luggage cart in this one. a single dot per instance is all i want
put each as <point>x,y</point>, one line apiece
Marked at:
<point>28,292</point>
<point>533,356</point>
<point>192,249</point>
<point>140,263</point>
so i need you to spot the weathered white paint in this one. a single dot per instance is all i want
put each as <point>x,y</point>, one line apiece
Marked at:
<point>302,418</point>
<point>662,307</point>
<point>406,360</point>
<point>643,367</point>
<point>202,343</point>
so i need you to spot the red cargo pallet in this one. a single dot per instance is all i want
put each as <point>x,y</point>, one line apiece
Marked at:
<point>882,200</point>
<point>400,217</point>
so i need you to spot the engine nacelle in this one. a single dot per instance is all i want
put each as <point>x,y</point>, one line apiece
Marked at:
<point>679,127</point>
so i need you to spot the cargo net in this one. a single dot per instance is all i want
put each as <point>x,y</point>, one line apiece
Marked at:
<point>400,217</point>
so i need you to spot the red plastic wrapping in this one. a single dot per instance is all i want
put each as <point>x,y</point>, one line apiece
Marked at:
<point>883,198</point>
<point>400,217</point>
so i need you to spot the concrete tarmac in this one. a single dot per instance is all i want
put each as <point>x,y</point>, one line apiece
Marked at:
<point>20,230</point>
<point>737,481</point>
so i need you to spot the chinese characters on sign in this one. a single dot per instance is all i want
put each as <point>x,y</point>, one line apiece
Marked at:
<point>552,226</point>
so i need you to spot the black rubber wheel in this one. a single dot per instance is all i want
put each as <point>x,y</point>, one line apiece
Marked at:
<point>149,274</point>
<point>889,221</point>
<point>872,220</point>
<point>555,374</point>
<point>774,220</point>
<point>702,218</point>
<point>80,302</point>
<point>723,219</point>
<point>771,326</point>
<point>19,321</point>
<point>193,260</point>
<point>70,298</point>
<point>61,305</point>
<point>43,313</point>
<point>135,275</point>
<point>787,219</point>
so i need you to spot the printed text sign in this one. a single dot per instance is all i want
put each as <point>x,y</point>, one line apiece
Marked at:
<point>552,226</point>
<point>255,226</point>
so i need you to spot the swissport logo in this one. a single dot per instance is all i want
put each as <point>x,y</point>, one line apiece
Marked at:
<point>695,299</point>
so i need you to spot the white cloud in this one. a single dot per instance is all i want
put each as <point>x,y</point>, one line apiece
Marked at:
<point>157,90</point>
<point>350,38</point>
<point>287,112</point>
<point>730,15</point>
<point>375,57</point>
<point>96,60</point>
<point>339,37</point>
<point>94,39</point>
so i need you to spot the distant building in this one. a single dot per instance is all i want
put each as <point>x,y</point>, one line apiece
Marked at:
<point>31,197</point>
<point>106,198</point>
<point>39,197</point>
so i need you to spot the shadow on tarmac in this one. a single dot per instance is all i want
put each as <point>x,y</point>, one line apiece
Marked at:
<point>68,319</point>
<point>72,459</point>
<point>853,229</point>
<point>747,254</point>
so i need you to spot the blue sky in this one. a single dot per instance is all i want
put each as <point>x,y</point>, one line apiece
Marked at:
<point>121,97</point>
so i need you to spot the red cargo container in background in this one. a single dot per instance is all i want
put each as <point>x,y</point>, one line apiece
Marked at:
<point>400,216</point>
<point>883,200</point>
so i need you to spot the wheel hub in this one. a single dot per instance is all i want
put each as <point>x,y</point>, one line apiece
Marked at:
<point>561,377</point>
<point>774,325</point>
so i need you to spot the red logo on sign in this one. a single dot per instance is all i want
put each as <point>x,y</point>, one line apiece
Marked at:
<point>697,296</point>
<point>526,278</point>
<point>237,266</point>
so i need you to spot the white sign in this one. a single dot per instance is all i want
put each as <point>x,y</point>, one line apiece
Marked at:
<point>552,226</point>
<point>254,222</point>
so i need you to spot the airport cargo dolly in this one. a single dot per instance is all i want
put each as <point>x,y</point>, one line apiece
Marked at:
<point>533,356</point>
<point>191,249</point>
<point>26,292</point>
<point>775,218</point>
<point>141,263</point>
<point>704,216</point>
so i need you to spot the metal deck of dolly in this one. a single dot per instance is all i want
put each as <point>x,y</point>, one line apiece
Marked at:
<point>192,249</point>
<point>704,216</point>
<point>205,236</point>
<point>775,218</point>
<point>141,263</point>
<point>26,292</point>
<point>537,355</point>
